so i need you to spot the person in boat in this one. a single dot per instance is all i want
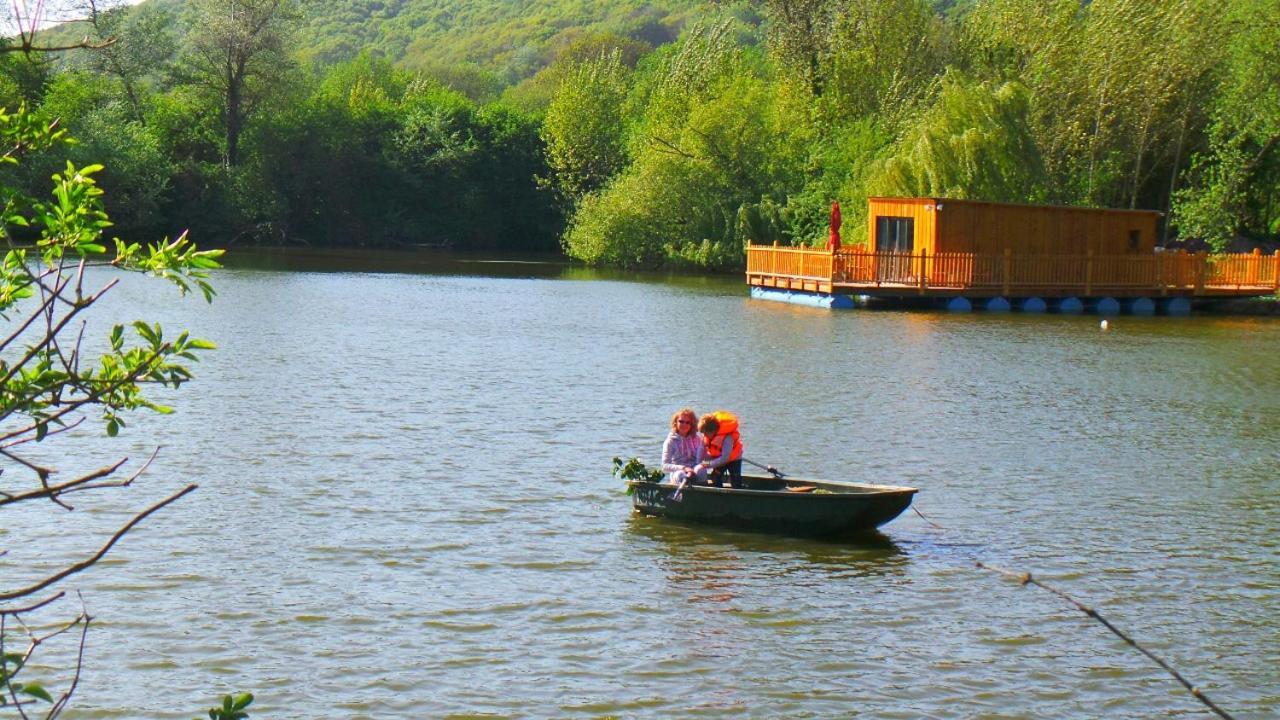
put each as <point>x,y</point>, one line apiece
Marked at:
<point>722,449</point>
<point>682,449</point>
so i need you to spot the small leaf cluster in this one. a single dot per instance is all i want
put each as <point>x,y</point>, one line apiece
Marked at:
<point>232,707</point>
<point>634,470</point>
<point>178,261</point>
<point>10,665</point>
<point>75,220</point>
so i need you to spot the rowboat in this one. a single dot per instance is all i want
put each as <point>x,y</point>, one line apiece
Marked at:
<point>786,506</point>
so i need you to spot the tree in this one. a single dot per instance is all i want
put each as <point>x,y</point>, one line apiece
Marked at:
<point>1236,183</point>
<point>800,37</point>
<point>711,161</point>
<point>140,42</point>
<point>50,385</point>
<point>584,129</point>
<point>884,57</point>
<point>236,50</point>
<point>975,142</point>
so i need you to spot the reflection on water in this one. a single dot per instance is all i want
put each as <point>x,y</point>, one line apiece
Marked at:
<point>710,564</point>
<point>406,509</point>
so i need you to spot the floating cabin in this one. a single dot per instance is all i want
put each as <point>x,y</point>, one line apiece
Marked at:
<point>938,225</point>
<point>1002,256</point>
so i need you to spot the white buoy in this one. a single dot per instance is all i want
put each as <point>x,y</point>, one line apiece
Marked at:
<point>1105,324</point>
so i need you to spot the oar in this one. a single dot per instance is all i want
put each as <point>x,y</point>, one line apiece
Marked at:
<point>768,468</point>
<point>678,495</point>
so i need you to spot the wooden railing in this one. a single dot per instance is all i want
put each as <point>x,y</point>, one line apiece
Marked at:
<point>1012,274</point>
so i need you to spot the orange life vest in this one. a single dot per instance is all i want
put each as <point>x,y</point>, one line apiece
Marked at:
<point>728,428</point>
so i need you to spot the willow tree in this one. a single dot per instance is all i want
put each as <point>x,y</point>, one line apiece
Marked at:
<point>975,141</point>
<point>885,56</point>
<point>799,34</point>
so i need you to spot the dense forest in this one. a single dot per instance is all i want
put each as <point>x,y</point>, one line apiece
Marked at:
<point>655,134</point>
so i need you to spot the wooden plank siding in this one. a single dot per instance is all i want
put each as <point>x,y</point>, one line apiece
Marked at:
<point>987,228</point>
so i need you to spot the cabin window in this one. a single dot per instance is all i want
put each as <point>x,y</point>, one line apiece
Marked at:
<point>895,234</point>
<point>1135,239</point>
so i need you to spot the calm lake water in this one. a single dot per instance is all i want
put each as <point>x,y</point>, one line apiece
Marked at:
<point>406,509</point>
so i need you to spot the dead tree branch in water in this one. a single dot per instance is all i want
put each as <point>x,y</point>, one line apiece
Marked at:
<point>1025,578</point>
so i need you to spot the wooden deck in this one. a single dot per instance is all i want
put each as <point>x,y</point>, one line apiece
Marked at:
<point>858,272</point>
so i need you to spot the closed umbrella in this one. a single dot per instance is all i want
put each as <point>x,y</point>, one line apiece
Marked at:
<point>833,242</point>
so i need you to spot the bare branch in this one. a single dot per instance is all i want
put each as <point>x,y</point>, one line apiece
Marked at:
<point>670,148</point>
<point>89,562</point>
<point>1027,579</point>
<point>63,699</point>
<point>31,438</point>
<point>52,491</point>
<point>29,608</point>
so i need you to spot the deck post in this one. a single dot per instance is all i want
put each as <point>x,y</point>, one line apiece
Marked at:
<point>1255,267</point>
<point>924,281</point>
<point>1088,272</point>
<point>1008,262</point>
<point>1202,268</point>
<point>1275,272</point>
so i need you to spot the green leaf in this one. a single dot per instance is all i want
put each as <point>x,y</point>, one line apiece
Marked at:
<point>113,427</point>
<point>34,690</point>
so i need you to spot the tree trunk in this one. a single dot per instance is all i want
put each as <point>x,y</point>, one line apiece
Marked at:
<point>1173,174</point>
<point>233,119</point>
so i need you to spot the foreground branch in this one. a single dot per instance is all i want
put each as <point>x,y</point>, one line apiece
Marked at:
<point>1027,579</point>
<point>80,484</point>
<point>98,555</point>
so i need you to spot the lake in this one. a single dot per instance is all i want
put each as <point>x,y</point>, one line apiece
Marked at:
<point>406,509</point>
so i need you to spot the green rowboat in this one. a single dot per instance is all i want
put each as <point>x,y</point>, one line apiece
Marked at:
<point>786,506</point>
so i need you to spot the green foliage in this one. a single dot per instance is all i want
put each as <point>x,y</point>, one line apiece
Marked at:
<point>583,128</point>
<point>236,52</point>
<point>708,153</point>
<point>975,142</point>
<point>232,708</point>
<point>884,56</point>
<point>635,471</point>
<point>11,664</point>
<point>1236,182</point>
<point>660,134</point>
<point>376,156</point>
<point>49,381</point>
<point>513,40</point>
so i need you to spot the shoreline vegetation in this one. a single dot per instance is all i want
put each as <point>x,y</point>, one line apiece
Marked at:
<point>664,135</point>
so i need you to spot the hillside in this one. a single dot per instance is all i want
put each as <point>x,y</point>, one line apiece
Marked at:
<point>514,38</point>
<point>508,40</point>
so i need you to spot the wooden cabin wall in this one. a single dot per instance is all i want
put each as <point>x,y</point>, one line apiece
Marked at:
<point>921,210</point>
<point>989,228</point>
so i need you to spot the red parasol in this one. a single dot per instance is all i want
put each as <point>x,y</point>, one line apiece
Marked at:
<point>833,242</point>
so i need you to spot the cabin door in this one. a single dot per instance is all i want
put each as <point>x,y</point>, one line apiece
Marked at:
<point>895,241</point>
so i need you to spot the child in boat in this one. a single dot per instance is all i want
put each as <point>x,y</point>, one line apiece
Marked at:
<point>682,449</point>
<point>722,448</point>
